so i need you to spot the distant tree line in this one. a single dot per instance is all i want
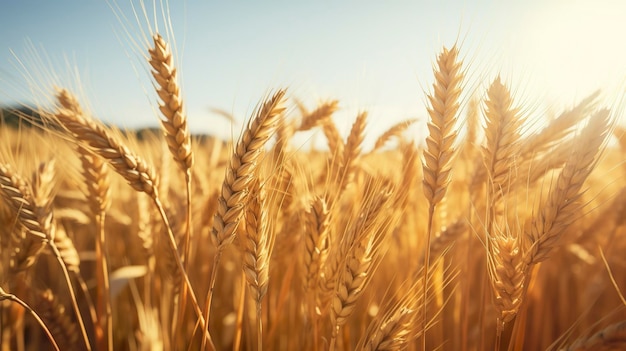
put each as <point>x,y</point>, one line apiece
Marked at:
<point>22,116</point>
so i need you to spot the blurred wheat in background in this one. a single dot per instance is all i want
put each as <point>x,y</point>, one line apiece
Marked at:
<point>501,230</point>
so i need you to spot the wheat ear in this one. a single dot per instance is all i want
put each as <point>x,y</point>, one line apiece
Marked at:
<point>317,221</point>
<point>174,121</point>
<point>335,142</point>
<point>318,116</point>
<point>257,250</point>
<point>444,104</point>
<point>394,131</point>
<point>563,201</point>
<point>358,256</point>
<point>559,127</point>
<point>502,135</point>
<point>351,153</point>
<point>26,247</point>
<point>506,273</point>
<point>395,326</point>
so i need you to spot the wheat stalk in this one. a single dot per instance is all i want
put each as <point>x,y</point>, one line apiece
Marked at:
<point>240,174</point>
<point>437,157</point>
<point>6,296</point>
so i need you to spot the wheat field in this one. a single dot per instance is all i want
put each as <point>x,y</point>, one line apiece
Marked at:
<point>490,234</point>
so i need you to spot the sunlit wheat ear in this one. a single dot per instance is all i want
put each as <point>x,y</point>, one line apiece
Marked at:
<point>444,104</point>
<point>258,240</point>
<point>241,173</point>
<point>257,245</point>
<point>20,200</point>
<point>371,210</point>
<point>563,204</point>
<point>359,255</point>
<point>502,134</point>
<point>96,176</point>
<point>472,122</point>
<point>17,196</point>
<point>353,276</point>
<point>335,142</point>
<point>394,131</point>
<point>318,116</point>
<point>397,324</point>
<point>135,170</point>
<point>506,273</point>
<point>285,131</point>
<point>174,121</point>
<point>43,184</point>
<point>68,251</point>
<point>316,241</point>
<point>241,169</point>
<point>352,152</point>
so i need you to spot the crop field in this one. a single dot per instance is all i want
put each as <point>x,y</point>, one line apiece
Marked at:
<point>501,230</point>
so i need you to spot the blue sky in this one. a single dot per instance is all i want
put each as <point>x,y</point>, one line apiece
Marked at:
<point>370,55</point>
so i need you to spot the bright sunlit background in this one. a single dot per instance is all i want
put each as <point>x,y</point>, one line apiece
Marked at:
<point>370,55</point>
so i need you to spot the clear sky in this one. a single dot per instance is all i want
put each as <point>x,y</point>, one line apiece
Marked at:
<point>370,55</point>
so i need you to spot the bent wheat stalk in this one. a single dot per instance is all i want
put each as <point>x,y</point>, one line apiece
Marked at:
<point>6,296</point>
